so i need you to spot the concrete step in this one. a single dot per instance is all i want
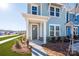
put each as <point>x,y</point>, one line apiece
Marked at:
<point>37,52</point>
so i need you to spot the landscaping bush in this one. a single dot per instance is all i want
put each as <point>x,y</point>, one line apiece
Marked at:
<point>17,45</point>
<point>75,37</point>
<point>67,39</point>
<point>48,39</point>
<point>51,39</point>
<point>78,36</point>
<point>58,39</point>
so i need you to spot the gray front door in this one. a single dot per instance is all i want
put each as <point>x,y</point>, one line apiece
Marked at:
<point>34,32</point>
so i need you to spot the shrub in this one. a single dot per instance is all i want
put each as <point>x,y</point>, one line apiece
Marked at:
<point>75,37</point>
<point>18,45</point>
<point>58,39</point>
<point>52,39</point>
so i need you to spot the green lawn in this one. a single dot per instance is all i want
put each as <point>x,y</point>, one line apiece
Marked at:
<point>8,36</point>
<point>5,49</point>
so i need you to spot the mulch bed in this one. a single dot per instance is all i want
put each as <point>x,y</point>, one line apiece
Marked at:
<point>56,49</point>
<point>23,50</point>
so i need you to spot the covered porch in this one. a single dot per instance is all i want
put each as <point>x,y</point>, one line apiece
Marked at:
<point>36,27</point>
<point>72,29</point>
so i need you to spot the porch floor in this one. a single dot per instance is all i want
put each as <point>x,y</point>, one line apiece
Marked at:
<point>38,42</point>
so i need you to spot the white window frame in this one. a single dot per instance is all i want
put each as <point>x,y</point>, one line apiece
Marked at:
<point>35,6</point>
<point>55,29</point>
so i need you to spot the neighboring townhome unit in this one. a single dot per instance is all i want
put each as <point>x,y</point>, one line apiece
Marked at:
<point>45,20</point>
<point>72,25</point>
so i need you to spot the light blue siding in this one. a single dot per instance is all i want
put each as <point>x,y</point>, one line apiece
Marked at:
<point>75,22</point>
<point>28,8</point>
<point>45,9</point>
<point>61,20</point>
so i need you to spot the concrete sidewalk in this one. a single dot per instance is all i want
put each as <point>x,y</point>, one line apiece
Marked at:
<point>1,42</point>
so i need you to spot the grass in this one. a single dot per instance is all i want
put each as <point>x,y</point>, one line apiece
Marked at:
<point>8,36</point>
<point>5,49</point>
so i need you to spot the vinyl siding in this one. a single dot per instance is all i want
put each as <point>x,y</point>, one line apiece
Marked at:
<point>61,20</point>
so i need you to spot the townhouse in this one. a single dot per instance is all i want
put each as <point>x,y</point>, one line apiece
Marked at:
<point>45,20</point>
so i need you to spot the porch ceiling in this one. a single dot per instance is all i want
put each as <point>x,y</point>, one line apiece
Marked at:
<point>35,17</point>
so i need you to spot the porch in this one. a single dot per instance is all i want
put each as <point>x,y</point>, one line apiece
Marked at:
<point>38,42</point>
<point>36,27</point>
<point>72,29</point>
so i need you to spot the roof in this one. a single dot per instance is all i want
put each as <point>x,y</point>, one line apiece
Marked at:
<point>70,23</point>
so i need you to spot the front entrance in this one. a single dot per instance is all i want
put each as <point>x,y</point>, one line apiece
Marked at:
<point>35,31</point>
<point>68,29</point>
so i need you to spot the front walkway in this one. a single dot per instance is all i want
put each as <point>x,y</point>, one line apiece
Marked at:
<point>37,49</point>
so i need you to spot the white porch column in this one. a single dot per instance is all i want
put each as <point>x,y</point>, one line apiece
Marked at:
<point>41,29</point>
<point>44,31</point>
<point>27,29</point>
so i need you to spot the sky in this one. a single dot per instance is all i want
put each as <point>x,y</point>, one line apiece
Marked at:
<point>11,18</point>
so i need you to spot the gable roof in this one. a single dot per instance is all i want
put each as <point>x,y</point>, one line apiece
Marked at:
<point>70,23</point>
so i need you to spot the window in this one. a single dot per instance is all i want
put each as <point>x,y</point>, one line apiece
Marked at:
<point>57,30</point>
<point>54,30</point>
<point>75,31</point>
<point>57,12</point>
<point>34,10</point>
<point>52,11</point>
<point>51,30</point>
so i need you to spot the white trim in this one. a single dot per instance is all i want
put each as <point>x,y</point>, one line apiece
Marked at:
<point>55,29</point>
<point>27,30</point>
<point>37,30</point>
<point>41,30</point>
<point>35,6</point>
<point>44,35</point>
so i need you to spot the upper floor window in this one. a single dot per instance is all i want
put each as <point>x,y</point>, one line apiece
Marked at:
<point>34,10</point>
<point>52,11</point>
<point>57,12</point>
